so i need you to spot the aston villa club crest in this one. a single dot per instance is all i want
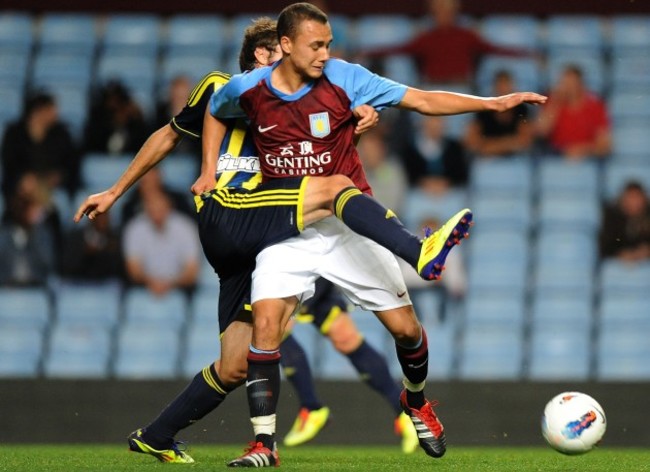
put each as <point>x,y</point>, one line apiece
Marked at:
<point>319,124</point>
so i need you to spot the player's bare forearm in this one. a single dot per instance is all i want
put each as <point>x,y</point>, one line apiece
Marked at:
<point>214,131</point>
<point>155,149</point>
<point>450,103</point>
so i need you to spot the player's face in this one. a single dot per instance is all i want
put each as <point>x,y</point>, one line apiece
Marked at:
<point>310,49</point>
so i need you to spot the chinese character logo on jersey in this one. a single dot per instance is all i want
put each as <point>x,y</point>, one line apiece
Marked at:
<point>319,124</point>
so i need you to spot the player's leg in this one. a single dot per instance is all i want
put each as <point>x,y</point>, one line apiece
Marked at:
<point>270,317</point>
<point>366,216</point>
<point>312,415</point>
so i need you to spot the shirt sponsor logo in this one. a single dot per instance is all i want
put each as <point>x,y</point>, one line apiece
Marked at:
<point>319,124</point>
<point>298,160</point>
<point>230,163</point>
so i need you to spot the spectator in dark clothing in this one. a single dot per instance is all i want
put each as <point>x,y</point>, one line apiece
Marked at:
<point>433,162</point>
<point>39,143</point>
<point>447,53</point>
<point>116,124</point>
<point>625,233</point>
<point>500,134</point>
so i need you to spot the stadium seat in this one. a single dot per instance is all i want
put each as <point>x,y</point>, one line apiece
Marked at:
<point>560,211</point>
<point>341,32</point>
<point>194,66</point>
<point>13,70</point>
<point>428,303</point>
<point>401,69</point>
<point>237,25</point>
<point>420,206</point>
<point>99,171</point>
<point>78,351</point>
<point>568,177</point>
<point>73,104</point>
<point>208,279</point>
<point>491,353</point>
<point>519,31</point>
<point>624,309</point>
<point>24,307</point>
<point>491,248</point>
<point>486,310</point>
<point>375,31</point>
<point>196,35</point>
<point>561,308</point>
<point>12,100</point>
<point>147,351</point>
<point>204,305</point>
<point>52,70</point>
<point>68,33</point>
<point>137,35</point>
<point>525,72</point>
<point>16,33</point>
<point>143,307</point>
<point>179,171</point>
<point>558,249</point>
<point>501,212</point>
<point>559,353</point>
<point>505,177</point>
<point>631,74</point>
<point>202,348</point>
<point>621,277</point>
<point>93,304</point>
<point>630,35</point>
<point>623,353</point>
<point>592,66</point>
<point>627,108</point>
<point>575,33</point>
<point>20,350</point>
<point>631,141</point>
<point>618,174</point>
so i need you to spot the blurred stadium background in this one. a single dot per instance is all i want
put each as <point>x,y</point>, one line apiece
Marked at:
<point>542,311</point>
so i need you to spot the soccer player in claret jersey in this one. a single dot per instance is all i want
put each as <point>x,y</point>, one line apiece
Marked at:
<point>237,172</point>
<point>300,112</point>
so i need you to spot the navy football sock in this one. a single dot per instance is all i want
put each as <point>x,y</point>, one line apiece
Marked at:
<point>415,365</point>
<point>203,394</point>
<point>373,369</point>
<point>366,216</point>
<point>263,390</point>
<point>297,370</point>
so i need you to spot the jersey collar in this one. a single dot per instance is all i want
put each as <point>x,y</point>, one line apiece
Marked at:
<point>284,96</point>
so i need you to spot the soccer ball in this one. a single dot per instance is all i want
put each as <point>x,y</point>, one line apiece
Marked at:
<point>573,423</point>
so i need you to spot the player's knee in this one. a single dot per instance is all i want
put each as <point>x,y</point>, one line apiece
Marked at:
<point>233,376</point>
<point>407,334</point>
<point>344,335</point>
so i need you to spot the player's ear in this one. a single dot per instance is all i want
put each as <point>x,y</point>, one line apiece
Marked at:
<point>261,56</point>
<point>286,44</point>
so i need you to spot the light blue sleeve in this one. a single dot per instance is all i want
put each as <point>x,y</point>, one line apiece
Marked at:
<point>364,87</point>
<point>224,102</point>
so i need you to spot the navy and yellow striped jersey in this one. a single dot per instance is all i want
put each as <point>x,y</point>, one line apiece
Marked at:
<point>238,165</point>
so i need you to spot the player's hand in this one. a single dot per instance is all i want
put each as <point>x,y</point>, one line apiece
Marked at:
<point>205,183</point>
<point>94,205</point>
<point>367,118</point>
<point>506,102</point>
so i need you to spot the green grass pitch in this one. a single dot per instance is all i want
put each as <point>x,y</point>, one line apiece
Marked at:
<point>72,458</point>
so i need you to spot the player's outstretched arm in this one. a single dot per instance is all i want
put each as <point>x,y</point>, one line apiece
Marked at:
<point>214,131</point>
<point>449,103</point>
<point>155,149</point>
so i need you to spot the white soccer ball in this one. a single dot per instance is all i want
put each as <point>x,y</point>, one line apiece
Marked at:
<point>573,423</point>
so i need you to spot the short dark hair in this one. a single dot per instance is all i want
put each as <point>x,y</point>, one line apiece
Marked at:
<point>574,69</point>
<point>261,34</point>
<point>295,14</point>
<point>37,101</point>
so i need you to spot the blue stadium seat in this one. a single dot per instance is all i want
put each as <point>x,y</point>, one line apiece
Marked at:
<point>525,72</point>
<point>491,353</point>
<point>402,69</point>
<point>420,206</point>
<point>592,66</point>
<point>627,108</point>
<point>52,70</point>
<point>132,34</point>
<point>179,171</point>
<point>13,70</point>
<point>630,35</point>
<point>73,104</point>
<point>204,305</point>
<point>631,141</point>
<point>24,307</point>
<point>623,353</point>
<point>559,211</point>
<point>558,353</point>
<point>78,351</point>
<point>92,304</point>
<point>519,31</point>
<point>68,33</point>
<point>147,351</point>
<point>621,277</point>
<point>208,278</point>
<point>143,307</point>
<point>202,348</point>
<point>502,212</point>
<point>631,74</point>
<point>558,249</point>
<point>195,66</point>
<point>20,350</point>
<point>490,311</point>
<point>12,100</point>
<point>624,309</point>
<point>563,308</point>
<point>16,33</point>
<point>196,35</point>
<point>341,32</point>
<point>576,33</point>
<point>567,177</point>
<point>99,171</point>
<point>505,177</point>
<point>237,25</point>
<point>617,174</point>
<point>498,249</point>
<point>563,276</point>
<point>428,303</point>
<point>374,31</point>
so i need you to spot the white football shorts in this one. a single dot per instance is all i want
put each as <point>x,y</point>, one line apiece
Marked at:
<point>367,273</point>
